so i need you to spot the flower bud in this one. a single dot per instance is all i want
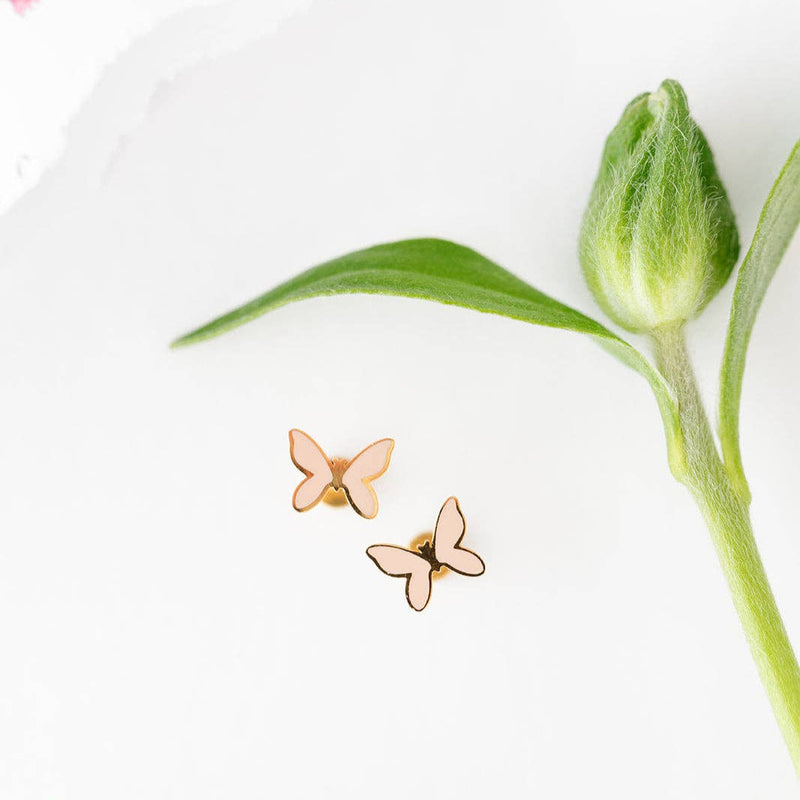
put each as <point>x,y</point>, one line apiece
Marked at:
<point>659,238</point>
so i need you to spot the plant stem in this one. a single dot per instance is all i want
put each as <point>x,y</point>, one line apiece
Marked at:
<point>728,520</point>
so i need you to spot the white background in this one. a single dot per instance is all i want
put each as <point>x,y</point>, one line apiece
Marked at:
<point>170,628</point>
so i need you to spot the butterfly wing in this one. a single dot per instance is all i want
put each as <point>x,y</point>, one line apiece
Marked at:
<point>399,562</point>
<point>450,529</point>
<point>309,458</point>
<point>368,465</point>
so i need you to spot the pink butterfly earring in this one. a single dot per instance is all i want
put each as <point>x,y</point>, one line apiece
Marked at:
<point>328,479</point>
<point>432,557</point>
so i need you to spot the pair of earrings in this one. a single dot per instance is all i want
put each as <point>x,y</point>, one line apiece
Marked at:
<point>332,477</point>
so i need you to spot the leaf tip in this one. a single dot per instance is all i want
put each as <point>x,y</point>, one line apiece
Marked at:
<point>182,341</point>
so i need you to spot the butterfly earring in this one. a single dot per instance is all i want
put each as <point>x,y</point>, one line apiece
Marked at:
<point>441,552</point>
<point>336,475</point>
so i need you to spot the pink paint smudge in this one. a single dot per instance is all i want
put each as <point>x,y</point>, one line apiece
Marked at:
<point>21,6</point>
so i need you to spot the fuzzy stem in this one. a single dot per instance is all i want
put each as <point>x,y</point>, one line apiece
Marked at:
<point>728,520</point>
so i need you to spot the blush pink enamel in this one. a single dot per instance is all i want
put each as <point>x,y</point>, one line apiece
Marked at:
<point>369,464</point>
<point>450,529</point>
<point>418,588</point>
<point>308,457</point>
<point>463,561</point>
<point>399,562</point>
<point>310,492</point>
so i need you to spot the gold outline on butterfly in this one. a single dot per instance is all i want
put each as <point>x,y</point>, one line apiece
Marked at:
<point>426,557</point>
<point>338,468</point>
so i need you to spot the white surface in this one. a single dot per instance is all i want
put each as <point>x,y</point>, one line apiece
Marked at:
<point>53,56</point>
<point>171,628</point>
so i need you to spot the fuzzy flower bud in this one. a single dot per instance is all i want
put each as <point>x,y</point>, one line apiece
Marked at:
<point>659,238</point>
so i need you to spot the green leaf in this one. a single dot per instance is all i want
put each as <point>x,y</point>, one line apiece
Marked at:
<point>776,226</point>
<point>445,272</point>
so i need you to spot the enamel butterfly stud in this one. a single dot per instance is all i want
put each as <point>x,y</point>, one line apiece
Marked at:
<point>441,551</point>
<point>330,477</point>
